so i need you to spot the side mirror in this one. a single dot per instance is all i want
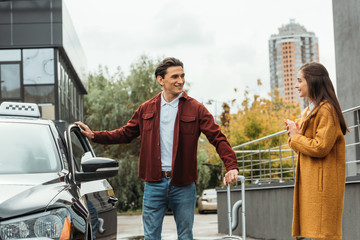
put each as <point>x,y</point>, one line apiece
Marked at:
<point>97,168</point>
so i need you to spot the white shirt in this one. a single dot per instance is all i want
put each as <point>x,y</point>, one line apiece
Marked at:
<point>168,112</point>
<point>311,106</point>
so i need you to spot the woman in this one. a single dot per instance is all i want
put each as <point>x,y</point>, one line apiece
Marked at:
<point>318,139</point>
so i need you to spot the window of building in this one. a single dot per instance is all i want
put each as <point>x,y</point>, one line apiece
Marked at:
<point>10,55</point>
<point>44,96</point>
<point>10,82</point>
<point>38,66</point>
<point>39,94</point>
<point>66,90</point>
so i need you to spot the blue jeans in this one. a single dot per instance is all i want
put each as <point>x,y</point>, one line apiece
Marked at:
<point>94,217</point>
<point>158,197</point>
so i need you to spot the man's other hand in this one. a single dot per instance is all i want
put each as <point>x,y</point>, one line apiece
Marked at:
<point>231,176</point>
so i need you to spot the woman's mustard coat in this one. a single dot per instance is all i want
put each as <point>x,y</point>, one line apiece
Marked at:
<point>320,175</point>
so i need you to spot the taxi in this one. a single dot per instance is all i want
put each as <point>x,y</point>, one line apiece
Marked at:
<point>52,186</point>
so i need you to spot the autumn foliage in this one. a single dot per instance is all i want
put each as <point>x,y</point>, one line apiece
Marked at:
<point>257,117</point>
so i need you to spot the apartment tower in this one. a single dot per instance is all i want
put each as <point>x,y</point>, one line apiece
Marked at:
<point>288,50</point>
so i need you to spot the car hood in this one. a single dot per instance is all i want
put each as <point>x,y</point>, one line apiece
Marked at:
<point>21,194</point>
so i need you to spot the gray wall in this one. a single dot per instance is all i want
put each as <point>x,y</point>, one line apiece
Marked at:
<point>42,24</point>
<point>351,214</point>
<point>34,23</point>
<point>347,48</point>
<point>269,210</point>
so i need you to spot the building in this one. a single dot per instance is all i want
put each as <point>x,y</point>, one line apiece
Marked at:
<point>41,59</point>
<point>347,57</point>
<point>288,50</point>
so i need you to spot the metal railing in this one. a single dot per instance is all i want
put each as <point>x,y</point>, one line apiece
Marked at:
<point>270,159</point>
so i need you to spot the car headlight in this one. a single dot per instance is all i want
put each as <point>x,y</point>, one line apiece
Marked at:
<point>54,224</point>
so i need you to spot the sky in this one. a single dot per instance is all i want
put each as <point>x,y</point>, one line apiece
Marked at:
<point>223,44</point>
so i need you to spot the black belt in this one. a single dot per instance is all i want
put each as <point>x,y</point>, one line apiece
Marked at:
<point>166,174</point>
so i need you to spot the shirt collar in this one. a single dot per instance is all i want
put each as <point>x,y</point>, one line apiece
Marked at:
<point>311,105</point>
<point>174,103</point>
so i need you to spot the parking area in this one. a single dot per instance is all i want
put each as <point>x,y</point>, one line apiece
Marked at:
<point>205,227</point>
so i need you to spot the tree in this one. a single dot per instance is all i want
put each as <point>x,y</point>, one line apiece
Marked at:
<point>257,117</point>
<point>261,117</point>
<point>225,115</point>
<point>110,103</point>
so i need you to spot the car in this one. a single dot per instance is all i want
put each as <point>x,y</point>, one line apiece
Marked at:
<point>52,185</point>
<point>207,201</point>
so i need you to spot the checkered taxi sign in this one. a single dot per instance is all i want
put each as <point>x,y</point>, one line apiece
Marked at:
<point>19,109</point>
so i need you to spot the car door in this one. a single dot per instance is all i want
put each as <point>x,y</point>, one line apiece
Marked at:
<point>99,194</point>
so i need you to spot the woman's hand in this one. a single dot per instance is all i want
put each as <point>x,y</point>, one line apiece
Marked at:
<point>292,128</point>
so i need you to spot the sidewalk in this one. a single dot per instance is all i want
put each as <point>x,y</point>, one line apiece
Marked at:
<point>205,227</point>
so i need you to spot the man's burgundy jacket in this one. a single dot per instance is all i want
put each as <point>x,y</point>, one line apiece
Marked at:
<point>192,119</point>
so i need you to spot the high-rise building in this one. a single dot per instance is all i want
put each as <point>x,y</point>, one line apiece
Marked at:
<point>288,51</point>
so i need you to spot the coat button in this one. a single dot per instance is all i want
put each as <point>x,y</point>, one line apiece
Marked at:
<point>158,157</point>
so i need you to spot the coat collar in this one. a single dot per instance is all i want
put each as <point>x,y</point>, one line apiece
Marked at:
<point>184,96</point>
<point>306,117</point>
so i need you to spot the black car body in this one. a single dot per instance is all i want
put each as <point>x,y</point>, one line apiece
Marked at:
<point>51,186</point>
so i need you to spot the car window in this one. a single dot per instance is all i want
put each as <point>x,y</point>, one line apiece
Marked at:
<point>80,147</point>
<point>63,152</point>
<point>78,150</point>
<point>27,148</point>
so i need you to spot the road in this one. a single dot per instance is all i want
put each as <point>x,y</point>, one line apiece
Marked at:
<point>205,227</point>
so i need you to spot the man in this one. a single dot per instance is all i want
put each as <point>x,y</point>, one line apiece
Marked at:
<point>170,125</point>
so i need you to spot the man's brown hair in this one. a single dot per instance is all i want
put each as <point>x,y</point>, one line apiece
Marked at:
<point>165,64</point>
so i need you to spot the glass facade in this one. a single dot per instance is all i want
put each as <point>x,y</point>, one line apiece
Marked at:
<point>10,55</point>
<point>41,58</point>
<point>39,94</point>
<point>70,96</point>
<point>29,75</point>
<point>10,81</point>
<point>73,47</point>
<point>38,65</point>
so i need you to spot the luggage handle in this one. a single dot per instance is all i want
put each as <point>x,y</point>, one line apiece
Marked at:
<point>232,215</point>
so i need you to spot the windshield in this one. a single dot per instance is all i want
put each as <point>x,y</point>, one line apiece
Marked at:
<point>27,148</point>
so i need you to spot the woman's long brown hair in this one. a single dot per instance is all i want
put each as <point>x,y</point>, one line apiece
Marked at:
<point>320,88</point>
